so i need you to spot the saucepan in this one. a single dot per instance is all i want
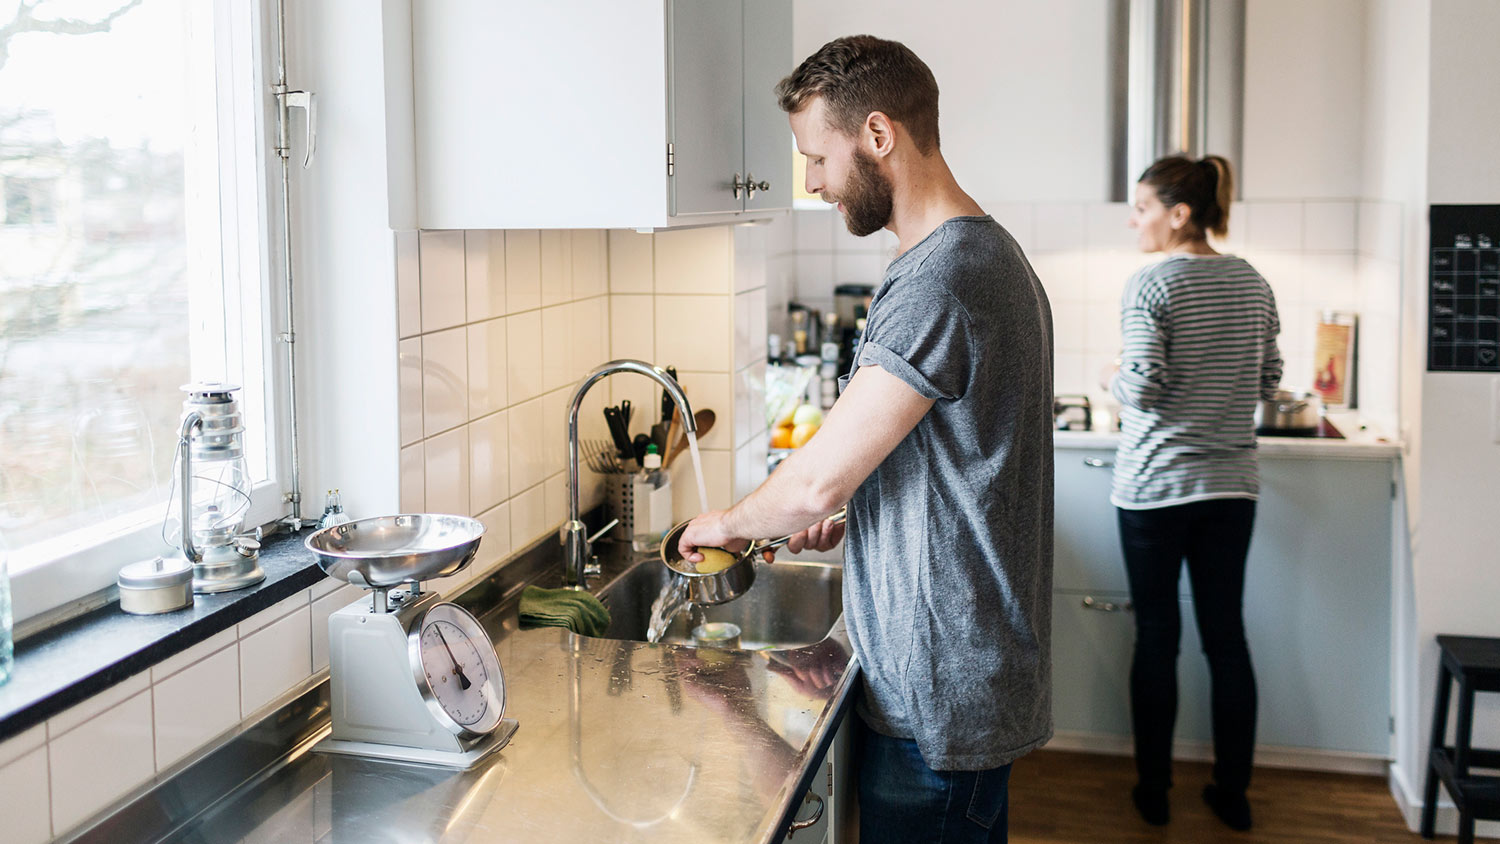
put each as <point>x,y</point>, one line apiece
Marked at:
<point>721,579</point>
<point>1289,412</point>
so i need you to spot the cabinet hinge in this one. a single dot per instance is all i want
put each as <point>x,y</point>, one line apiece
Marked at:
<point>1393,724</point>
<point>671,160</point>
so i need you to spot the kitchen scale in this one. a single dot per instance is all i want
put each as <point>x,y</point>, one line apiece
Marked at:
<point>413,678</point>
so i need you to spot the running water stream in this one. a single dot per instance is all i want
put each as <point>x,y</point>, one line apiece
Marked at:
<point>673,597</point>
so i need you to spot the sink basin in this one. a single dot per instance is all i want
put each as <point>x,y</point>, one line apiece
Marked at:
<point>792,605</point>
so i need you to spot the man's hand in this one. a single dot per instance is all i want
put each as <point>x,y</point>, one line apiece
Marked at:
<point>708,531</point>
<point>822,536</point>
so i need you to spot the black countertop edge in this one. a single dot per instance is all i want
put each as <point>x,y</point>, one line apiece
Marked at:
<point>75,660</point>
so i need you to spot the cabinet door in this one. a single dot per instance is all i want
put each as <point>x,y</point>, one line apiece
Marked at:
<point>706,118</point>
<point>768,136</point>
<point>1085,533</point>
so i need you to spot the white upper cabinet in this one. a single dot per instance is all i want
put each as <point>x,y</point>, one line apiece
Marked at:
<point>619,114</point>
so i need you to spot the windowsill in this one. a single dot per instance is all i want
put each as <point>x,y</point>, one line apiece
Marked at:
<point>69,663</point>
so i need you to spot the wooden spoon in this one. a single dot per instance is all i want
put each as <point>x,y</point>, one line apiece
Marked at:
<point>704,419</point>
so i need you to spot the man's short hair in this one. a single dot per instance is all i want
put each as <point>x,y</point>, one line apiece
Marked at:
<point>858,74</point>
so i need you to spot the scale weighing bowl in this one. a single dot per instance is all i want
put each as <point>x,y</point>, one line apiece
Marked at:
<point>385,551</point>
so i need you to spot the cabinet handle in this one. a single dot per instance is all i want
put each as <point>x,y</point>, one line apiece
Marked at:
<point>1106,606</point>
<point>1096,463</point>
<point>739,186</point>
<point>751,186</point>
<point>812,821</point>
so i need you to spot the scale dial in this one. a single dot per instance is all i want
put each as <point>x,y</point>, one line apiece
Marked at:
<point>457,671</point>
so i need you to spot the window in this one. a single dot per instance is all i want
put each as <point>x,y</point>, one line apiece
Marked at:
<point>132,261</point>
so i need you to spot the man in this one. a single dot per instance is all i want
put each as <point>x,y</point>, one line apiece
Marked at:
<point>941,446</point>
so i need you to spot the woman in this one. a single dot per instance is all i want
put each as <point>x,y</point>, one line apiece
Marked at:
<point>1199,333</point>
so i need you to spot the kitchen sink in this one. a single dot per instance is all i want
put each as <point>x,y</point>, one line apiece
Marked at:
<point>792,605</point>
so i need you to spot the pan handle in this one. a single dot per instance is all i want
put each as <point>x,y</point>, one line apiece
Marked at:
<point>836,519</point>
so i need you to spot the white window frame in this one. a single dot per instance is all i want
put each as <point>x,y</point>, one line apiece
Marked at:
<point>71,573</point>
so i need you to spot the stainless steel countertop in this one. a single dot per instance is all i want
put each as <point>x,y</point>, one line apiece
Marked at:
<point>619,741</point>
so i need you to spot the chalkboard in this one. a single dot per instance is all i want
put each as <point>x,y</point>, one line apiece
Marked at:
<point>1463,305</point>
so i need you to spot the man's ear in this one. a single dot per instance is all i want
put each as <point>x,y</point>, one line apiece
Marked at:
<point>878,135</point>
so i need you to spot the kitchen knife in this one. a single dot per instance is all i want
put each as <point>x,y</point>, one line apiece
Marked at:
<point>617,432</point>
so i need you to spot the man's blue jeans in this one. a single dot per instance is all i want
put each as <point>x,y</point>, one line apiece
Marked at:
<point>902,801</point>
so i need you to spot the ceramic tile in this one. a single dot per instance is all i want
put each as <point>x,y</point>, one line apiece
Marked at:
<point>195,705</point>
<point>274,660</point>
<point>757,306</point>
<point>590,346</point>
<point>844,241</point>
<point>1069,325</point>
<point>448,472</point>
<point>1068,373</point>
<point>591,423</point>
<point>1103,327</point>
<point>1106,227</point>
<point>1233,243</point>
<point>523,270</point>
<point>1064,275</point>
<point>860,268</point>
<point>523,356</point>
<point>1379,230</point>
<point>409,379</point>
<point>324,587</point>
<point>694,333</point>
<point>631,327</point>
<point>554,432</point>
<point>442,259</point>
<point>557,266</point>
<point>814,229</point>
<point>445,380</point>
<point>528,459</point>
<point>488,375</point>
<point>1274,226</point>
<point>408,285</point>
<point>1329,226</point>
<point>557,346</point>
<point>213,644</point>
<point>711,391</point>
<point>496,543</point>
<point>643,394</point>
<point>813,275</point>
<point>321,610</point>
<point>100,761</point>
<point>24,783</point>
<point>15,747</point>
<point>718,471</point>
<point>742,353</point>
<point>86,711</point>
<point>277,611</point>
<point>555,500</point>
<point>528,517</point>
<point>590,263</point>
<point>693,260</point>
<point>1328,281</point>
<point>489,461</point>
<point>751,251</point>
<point>413,479</point>
<point>484,274</point>
<point>631,262</point>
<point>1059,226</point>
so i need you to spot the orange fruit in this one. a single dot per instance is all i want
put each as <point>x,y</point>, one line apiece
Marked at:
<point>781,437</point>
<point>802,433</point>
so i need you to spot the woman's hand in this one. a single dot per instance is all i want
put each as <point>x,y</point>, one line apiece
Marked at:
<point>1107,374</point>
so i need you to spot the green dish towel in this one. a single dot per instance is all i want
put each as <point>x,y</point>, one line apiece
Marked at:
<point>574,609</point>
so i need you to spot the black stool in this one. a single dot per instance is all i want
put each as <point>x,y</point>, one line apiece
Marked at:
<point>1474,662</point>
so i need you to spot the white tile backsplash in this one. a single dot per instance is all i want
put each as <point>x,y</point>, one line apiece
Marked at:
<point>1107,229</point>
<point>442,269</point>
<point>528,431</point>
<point>484,274</point>
<point>814,229</point>
<point>445,380</point>
<point>693,260</point>
<point>17,746</point>
<point>413,497</point>
<point>691,333</point>
<point>523,270</point>
<point>1329,226</point>
<point>273,613</point>
<point>488,374</point>
<point>496,543</point>
<point>82,713</point>
<point>1060,227</point>
<point>718,467</point>
<point>589,319</point>
<point>275,659</point>
<point>632,333</point>
<point>100,761</point>
<point>409,381</point>
<point>557,266</point>
<point>489,462</point>
<point>528,516</point>
<point>1274,227</point>
<point>555,499</point>
<point>23,781</point>
<point>195,705</point>
<point>213,644</point>
<point>408,285</point>
<point>590,264</point>
<point>711,391</point>
<point>448,472</point>
<point>631,262</point>
<point>523,344</point>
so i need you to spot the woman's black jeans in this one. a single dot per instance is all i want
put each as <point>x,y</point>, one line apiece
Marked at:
<point>1214,537</point>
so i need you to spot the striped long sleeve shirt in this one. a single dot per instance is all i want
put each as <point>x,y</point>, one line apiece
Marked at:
<point>1199,335</point>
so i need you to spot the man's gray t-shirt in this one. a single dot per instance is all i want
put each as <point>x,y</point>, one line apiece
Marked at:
<point>948,563</point>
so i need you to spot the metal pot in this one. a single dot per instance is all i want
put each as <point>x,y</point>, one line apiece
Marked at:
<point>1289,411</point>
<point>723,586</point>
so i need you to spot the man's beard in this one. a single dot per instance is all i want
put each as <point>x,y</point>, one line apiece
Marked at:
<point>868,197</point>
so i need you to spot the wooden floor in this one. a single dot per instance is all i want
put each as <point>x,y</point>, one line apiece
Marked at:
<point>1058,797</point>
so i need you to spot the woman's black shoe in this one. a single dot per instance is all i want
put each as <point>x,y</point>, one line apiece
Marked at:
<point>1152,804</point>
<point>1232,809</point>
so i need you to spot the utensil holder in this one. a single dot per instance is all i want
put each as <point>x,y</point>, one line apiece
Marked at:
<point>651,514</point>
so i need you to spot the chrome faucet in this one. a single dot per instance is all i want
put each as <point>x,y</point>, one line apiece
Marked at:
<point>578,559</point>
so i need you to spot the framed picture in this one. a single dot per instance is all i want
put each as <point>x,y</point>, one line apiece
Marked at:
<point>1334,369</point>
